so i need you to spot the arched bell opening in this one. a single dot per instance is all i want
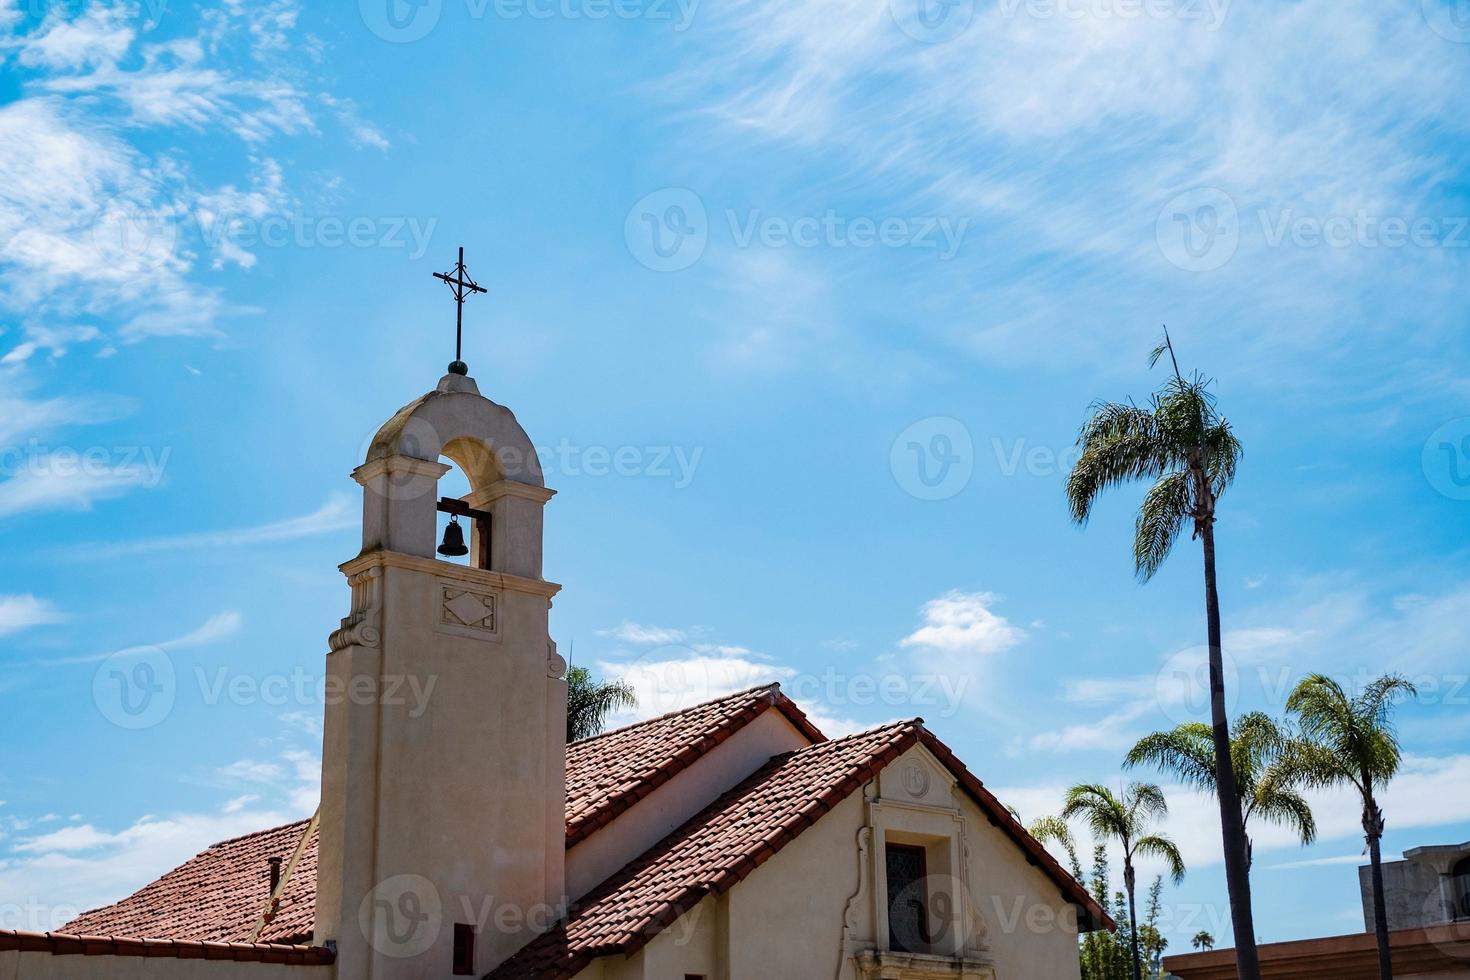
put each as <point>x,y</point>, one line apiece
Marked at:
<point>453,530</point>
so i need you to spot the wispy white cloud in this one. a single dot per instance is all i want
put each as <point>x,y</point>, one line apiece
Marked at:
<point>334,515</point>
<point>1023,121</point>
<point>630,632</point>
<point>61,487</point>
<point>20,612</point>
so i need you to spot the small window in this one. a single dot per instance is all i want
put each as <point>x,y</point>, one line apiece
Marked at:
<point>1460,889</point>
<point>464,949</point>
<point>908,905</point>
<point>694,976</point>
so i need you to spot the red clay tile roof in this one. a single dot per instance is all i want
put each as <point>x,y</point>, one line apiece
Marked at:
<point>215,897</point>
<point>218,894</point>
<point>608,773</point>
<point>61,944</point>
<point>741,830</point>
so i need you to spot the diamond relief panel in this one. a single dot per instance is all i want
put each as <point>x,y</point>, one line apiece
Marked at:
<point>475,610</point>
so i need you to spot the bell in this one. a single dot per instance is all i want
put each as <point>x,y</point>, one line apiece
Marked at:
<point>453,546</point>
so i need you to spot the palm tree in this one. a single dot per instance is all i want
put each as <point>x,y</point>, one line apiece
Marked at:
<point>1202,940</point>
<point>1268,769</point>
<point>1351,740</point>
<point>1182,443</point>
<point>590,701</point>
<point>1126,819</point>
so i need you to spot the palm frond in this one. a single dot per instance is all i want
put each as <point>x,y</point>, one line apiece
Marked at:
<point>1162,848</point>
<point>1160,519</point>
<point>1290,810</point>
<point>1119,443</point>
<point>1145,800</point>
<point>590,701</point>
<point>1186,752</point>
<point>1099,807</point>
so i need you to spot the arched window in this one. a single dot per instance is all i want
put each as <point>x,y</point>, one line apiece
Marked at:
<point>1460,889</point>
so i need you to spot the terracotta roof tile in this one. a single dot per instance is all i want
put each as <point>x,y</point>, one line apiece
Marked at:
<point>608,773</point>
<point>218,894</point>
<point>744,828</point>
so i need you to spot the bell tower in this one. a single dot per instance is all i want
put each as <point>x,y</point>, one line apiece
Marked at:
<point>444,752</point>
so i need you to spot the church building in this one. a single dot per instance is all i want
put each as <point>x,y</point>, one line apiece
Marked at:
<point>727,841</point>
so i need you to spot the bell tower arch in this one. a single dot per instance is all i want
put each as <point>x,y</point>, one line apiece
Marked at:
<point>444,750</point>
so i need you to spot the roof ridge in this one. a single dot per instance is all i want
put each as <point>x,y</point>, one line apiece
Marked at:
<point>773,686</point>
<point>259,833</point>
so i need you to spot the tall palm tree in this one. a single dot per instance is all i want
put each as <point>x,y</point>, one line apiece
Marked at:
<point>1181,442</point>
<point>1268,769</point>
<point>590,701</point>
<point>1202,941</point>
<point>1351,740</point>
<point>1126,819</point>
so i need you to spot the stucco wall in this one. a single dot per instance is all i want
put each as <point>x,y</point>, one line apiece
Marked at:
<point>15,965</point>
<point>1412,895</point>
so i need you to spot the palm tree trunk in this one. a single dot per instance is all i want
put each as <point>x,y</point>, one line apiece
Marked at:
<point>1128,879</point>
<point>1232,824</point>
<point>1380,909</point>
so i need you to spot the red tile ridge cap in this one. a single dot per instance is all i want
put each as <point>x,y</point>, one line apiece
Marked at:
<point>61,943</point>
<point>260,833</point>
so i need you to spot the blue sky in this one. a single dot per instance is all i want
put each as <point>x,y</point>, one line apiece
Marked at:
<point>804,303</point>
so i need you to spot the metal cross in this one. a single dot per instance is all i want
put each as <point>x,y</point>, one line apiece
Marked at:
<point>462,286</point>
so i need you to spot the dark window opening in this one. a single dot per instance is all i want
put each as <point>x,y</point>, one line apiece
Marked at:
<point>908,906</point>
<point>464,949</point>
<point>1460,889</point>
